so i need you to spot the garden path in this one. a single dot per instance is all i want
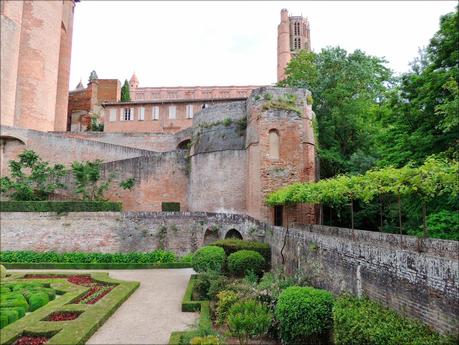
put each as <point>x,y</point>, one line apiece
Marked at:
<point>151,313</point>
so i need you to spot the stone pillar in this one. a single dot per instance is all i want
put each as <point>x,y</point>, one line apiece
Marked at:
<point>62,97</point>
<point>10,25</point>
<point>283,45</point>
<point>38,65</point>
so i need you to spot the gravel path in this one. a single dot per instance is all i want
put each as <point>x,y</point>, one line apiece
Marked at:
<point>151,313</point>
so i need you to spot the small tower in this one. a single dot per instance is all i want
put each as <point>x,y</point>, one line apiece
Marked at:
<point>133,82</point>
<point>79,86</point>
<point>293,35</point>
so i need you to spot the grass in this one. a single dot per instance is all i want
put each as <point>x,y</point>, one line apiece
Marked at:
<point>76,331</point>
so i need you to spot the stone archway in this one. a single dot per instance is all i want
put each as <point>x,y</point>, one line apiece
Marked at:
<point>233,233</point>
<point>184,145</point>
<point>210,236</point>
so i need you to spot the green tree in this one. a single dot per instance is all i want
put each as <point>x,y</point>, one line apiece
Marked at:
<point>125,93</point>
<point>32,179</point>
<point>349,90</point>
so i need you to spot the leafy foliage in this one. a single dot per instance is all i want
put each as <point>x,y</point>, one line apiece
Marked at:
<point>233,245</point>
<point>32,179</point>
<point>226,299</point>
<point>243,261</point>
<point>60,206</point>
<point>208,258</point>
<point>248,320</point>
<point>302,312</point>
<point>361,321</point>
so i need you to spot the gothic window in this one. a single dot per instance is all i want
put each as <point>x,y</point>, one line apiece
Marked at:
<point>296,28</point>
<point>274,143</point>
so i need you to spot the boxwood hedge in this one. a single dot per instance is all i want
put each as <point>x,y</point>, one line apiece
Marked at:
<point>208,258</point>
<point>60,206</point>
<point>233,245</point>
<point>243,261</point>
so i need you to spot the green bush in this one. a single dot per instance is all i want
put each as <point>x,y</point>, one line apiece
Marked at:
<point>444,225</point>
<point>248,319</point>
<point>206,340</point>
<point>303,312</point>
<point>233,245</point>
<point>2,272</point>
<point>38,300</point>
<point>155,256</point>
<point>208,284</point>
<point>11,314</point>
<point>243,261</point>
<point>209,258</point>
<point>226,299</point>
<point>60,206</point>
<point>3,319</point>
<point>361,321</point>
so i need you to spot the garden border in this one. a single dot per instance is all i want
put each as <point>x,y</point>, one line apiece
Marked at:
<point>188,305</point>
<point>76,331</point>
<point>94,266</point>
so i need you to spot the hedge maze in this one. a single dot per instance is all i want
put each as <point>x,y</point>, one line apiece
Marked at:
<point>58,308</point>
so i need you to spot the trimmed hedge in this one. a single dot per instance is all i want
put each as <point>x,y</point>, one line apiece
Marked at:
<point>303,312</point>
<point>243,261</point>
<point>60,206</point>
<point>2,272</point>
<point>231,246</point>
<point>91,266</point>
<point>361,321</point>
<point>209,258</point>
<point>155,256</point>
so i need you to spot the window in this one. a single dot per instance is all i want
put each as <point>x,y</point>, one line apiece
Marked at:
<point>112,115</point>
<point>204,106</point>
<point>127,114</point>
<point>274,144</point>
<point>189,111</point>
<point>155,113</point>
<point>172,112</point>
<point>296,27</point>
<point>141,114</point>
<point>170,206</point>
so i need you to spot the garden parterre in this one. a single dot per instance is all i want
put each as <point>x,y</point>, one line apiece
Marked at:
<point>84,303</point>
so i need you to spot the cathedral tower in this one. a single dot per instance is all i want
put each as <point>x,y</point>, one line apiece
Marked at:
<point>292,36</point>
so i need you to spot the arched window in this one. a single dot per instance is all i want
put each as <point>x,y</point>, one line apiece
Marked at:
<point>274,143</point>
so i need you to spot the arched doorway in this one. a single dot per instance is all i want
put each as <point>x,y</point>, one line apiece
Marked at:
<point>210,236</point>
<point>233,233</point>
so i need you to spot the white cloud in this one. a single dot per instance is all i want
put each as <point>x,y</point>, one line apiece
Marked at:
<point>234,43</point>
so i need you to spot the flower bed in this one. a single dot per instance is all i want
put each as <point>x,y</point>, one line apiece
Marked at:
<point>31,340</point>
<point>63,316</point>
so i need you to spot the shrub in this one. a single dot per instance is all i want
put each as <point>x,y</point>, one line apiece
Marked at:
<point>3,319</point>
<point>361,321</point>
<point>38,300</point>
<point>60,206</point>
<point>303,312</point>
<point>155,256</point>
<point>2,272</point>
<point>233,245</point>
<point>226,299</point>
<point>248,319</point>
<point>207,340</point>
<point>243,261</point>
<point>208,284</point>
<point>209,258</point>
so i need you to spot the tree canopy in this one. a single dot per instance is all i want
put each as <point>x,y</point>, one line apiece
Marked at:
<point>125,93</point>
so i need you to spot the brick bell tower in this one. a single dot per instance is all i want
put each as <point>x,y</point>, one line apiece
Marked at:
<point>293,35</point>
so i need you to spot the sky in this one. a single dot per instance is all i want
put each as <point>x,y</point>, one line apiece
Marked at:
<point>187,43</point>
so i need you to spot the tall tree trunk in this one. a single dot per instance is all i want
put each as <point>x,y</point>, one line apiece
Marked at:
<point>424,219</point>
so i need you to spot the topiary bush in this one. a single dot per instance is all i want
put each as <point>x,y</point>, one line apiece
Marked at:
<point>248,320</point>
<point>303,312</point>
<point>243,261</point>
<point>209,258</point>
<point>38,300</point>
<point>233,245</point>
<point>361,321</point>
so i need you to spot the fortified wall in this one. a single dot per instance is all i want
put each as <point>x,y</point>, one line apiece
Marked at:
<point>228,161</point>
<point>417,277</point>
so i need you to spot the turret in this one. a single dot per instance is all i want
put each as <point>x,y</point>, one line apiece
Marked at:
<point>134,82</point>
<point>283,45</point>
